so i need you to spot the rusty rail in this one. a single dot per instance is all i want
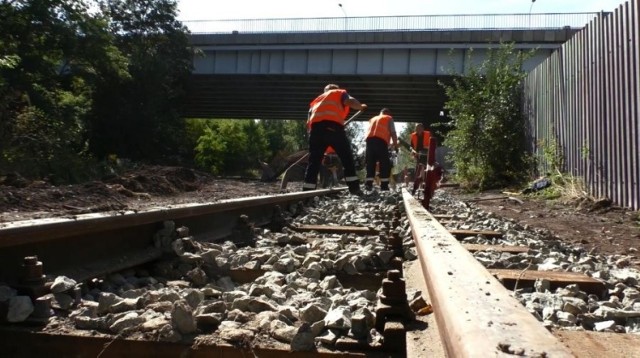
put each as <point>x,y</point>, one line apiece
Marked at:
<point>476,315</point>
<point>82,241</point>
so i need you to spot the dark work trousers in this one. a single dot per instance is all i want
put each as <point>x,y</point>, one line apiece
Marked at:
<point>377,151</point>
<point>324,134</point>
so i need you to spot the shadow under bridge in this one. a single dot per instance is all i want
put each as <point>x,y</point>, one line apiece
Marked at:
<point>410,98</point>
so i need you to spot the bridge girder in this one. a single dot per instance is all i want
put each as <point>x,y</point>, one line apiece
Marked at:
<point>287,97</point>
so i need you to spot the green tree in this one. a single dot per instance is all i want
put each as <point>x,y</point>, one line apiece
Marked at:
<point>52,53</point>
<point>139,117</point>
<point>231,147</point>
<point>488,138</point>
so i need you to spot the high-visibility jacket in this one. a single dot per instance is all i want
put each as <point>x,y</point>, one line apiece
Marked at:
<point>379,127</point>
<point>426,136</point>
<point>328,107</point>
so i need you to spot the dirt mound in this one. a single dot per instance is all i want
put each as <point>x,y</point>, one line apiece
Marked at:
<point>138,188</point>
<point>160,180</point>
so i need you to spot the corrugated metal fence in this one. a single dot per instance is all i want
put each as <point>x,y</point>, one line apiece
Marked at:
<point>584,99</point>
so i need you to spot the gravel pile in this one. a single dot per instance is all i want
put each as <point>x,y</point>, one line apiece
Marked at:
<point>617,309</point>
<point>296,299</point>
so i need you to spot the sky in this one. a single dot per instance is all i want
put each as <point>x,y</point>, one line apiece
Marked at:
<point>270,9</point>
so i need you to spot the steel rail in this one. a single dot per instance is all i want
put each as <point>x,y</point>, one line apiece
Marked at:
<point>61,243</point>
<point>476,315</point>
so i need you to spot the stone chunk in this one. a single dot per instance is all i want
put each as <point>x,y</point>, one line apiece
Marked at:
<point>62,283</point>
<point>303,339</point>
<point>236,335</point>
<point>20,307</point>
<point>312,313</point>
<point>282,332</point>
<point>338,318</point>
<point>328,338</point>
<point>182,318</point>
<point>129,320</point>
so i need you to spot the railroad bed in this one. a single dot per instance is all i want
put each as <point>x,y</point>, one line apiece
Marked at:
<point>312,273</point>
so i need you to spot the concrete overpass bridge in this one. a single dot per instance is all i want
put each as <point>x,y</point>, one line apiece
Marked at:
<point>272,69</point>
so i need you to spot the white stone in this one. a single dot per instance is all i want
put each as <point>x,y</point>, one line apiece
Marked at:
<point>601,326</point>
<point>62,283</point>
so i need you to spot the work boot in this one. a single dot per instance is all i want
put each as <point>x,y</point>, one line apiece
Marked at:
<point>354,187</point>
<point>384,186</point>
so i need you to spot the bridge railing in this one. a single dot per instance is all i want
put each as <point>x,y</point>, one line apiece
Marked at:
<point>395,23</point>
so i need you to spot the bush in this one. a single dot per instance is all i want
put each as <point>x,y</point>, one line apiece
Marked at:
<point>488,138</point>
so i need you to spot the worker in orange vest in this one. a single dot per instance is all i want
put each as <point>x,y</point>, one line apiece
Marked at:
<point>330,168</point>
<point>420,144</point>
<point>327,115</point>
<point>380,134</point>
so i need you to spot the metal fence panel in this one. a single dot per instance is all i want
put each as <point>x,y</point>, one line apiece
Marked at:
<point>394,23</point>
<point>584,99</point>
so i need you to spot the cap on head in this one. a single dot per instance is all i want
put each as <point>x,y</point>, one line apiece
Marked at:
<point>331,86</point>
<point>386,111</point>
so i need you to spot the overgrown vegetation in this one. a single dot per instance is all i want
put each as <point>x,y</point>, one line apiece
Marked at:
<point>237,146</point>
<point>488,130</point>
<point>564,186</point>
<point>79,83</point>
<point>85,85</point>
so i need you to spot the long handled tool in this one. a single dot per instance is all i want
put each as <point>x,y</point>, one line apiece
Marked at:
<point>284,182</point>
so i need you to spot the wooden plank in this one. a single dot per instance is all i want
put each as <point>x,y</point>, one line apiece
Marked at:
<point>109,265</point>
<point>25,342</point>
<point>477,316</point>
<point>487,199</point>
<point>586,344</point>
<point>499,248</point>
<point>557,279</point>
<point>329,229</point>
<point>458,233</point>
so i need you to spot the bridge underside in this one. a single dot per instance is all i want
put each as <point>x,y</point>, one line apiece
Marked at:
<point>410,98</point>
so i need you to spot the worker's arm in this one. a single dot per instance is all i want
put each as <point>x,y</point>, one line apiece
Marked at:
<point>355,104</point>
<point>394,136</point>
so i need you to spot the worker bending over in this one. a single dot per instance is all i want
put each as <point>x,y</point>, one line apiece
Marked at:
<point>327,115</point>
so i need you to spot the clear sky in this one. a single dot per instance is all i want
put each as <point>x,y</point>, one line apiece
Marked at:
<point>266,9</point>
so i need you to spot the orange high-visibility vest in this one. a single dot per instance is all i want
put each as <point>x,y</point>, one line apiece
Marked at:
<point>379,127</point>
<point>426,136</point>
<point>328,107</point>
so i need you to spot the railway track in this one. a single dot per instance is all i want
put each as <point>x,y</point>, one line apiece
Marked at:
<point>311,272</point>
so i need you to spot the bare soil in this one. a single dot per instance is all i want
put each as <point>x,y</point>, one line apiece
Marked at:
<point>599,227</point>
<point>137,189</point>
<point>595,225</point>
